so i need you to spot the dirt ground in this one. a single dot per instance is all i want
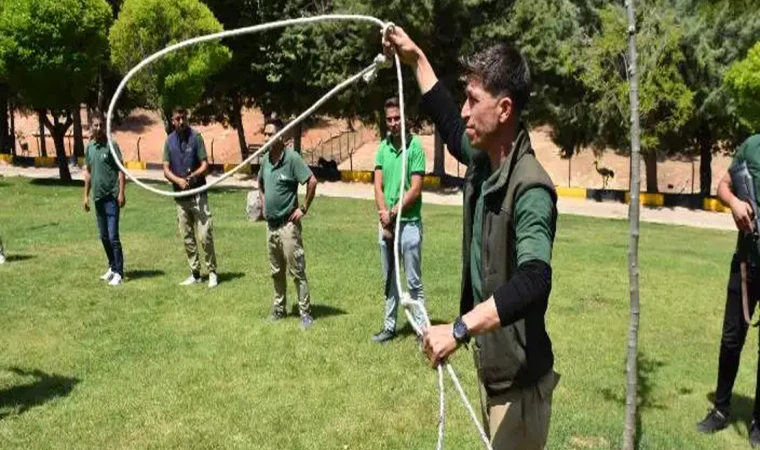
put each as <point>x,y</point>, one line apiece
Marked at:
<point>143,132</point>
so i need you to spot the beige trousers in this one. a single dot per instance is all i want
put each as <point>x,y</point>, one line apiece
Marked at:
<point>519,418</point>
<point>195,224</point>
<point>285,249</point>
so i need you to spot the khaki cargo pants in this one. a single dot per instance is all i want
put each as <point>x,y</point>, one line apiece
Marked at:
<point>519,418</point>
<point>285,249</point>
<point>195,224</point>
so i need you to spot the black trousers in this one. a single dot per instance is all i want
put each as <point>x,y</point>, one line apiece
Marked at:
<point>734,335</point>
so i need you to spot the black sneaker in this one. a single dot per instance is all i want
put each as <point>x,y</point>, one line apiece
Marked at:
<point>714,421</point>
<point>277,314</point>
<point>754,435</point>
<point>383,336</point>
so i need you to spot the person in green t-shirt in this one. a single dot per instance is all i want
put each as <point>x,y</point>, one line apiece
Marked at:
<point>735,327</point>
<point>388,173</point>
<point>104,180</point>
<point>282,171</point>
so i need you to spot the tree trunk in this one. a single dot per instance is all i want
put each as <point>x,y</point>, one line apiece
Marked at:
<point>439,166</point>
<point>4,134</point>
<point>58,131</point>
<point>237,122</point>
<point>43,145</point>
<point>705,161</point>
<point>297,138</point>
<point>102,107</point>
<point>631,394</point>
<point>650,159</point>
<point>78,138</point>
<point>12,133</point>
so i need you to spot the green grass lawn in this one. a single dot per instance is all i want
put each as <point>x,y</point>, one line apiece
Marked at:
<point>152,365</point>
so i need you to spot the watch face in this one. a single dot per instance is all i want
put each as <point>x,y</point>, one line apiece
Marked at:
<point>460,330</point>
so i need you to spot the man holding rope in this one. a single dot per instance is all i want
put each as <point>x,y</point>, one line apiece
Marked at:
<point>509,226</point>
<point>387,178</point>
<point>742,293</point>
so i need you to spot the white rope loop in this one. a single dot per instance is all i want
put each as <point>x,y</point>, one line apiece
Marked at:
<point>367,74</point>
<point>221,35</point>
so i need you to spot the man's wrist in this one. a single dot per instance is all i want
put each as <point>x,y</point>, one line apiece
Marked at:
<point>460,331</point>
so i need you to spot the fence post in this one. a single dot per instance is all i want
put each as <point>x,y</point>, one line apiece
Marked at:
<point>212,151</point>
<point>138,147</point>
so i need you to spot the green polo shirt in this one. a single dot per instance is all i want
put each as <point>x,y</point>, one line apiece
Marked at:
<point>104,173</point>
<point>388,160</point>
<point>533,216</point>
<point>280,182</point>
<point>749,152</point>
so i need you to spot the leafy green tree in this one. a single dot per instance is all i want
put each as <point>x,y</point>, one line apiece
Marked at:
<point>717,33</point>
<point>144,27</point>
<point>666,101</point>
<point>743,80</point>
<point>61,40</point>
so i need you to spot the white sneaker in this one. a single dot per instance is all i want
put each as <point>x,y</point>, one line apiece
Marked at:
<point>2,258</point>
<point>107,276</point>
<point>190,280</point>
<point>212,280</point>
<point>115,280</point>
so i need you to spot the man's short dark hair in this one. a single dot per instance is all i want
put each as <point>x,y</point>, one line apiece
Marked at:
<point>179,110</point>
<point>277,122</point>
<point>503,70</point>
<point>392,103</point>
<point>97,115</point>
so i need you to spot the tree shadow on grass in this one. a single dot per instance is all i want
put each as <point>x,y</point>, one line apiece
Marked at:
<point>319,311</point>
<point>44,388</point>
<point>55,182</point>
<point>645,369</point>
<point>16,258</point>
<point>741,410</point>
<point>143,273</point>
<point>229,276</point>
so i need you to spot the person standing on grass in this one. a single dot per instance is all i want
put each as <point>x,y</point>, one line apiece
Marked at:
<point>106,183</point>
<point>282,171</point>
<point>185,166</point>
<point>735,327</point>
<point>387,182</point>
<point>509,227</point>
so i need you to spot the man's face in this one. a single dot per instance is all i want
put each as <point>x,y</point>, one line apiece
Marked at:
<point>98,129</point>
<point>483,113</point>
<point>269,131</point>
<point>393,120</point>
<point>180,121</point>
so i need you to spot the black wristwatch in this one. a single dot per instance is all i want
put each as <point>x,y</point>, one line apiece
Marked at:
<point>303,209</point>
<point>460,331</point>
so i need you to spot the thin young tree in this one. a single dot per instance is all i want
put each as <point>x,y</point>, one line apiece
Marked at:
<point>633,249</point>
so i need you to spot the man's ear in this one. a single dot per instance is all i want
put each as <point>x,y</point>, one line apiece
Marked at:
<point>506,109</point>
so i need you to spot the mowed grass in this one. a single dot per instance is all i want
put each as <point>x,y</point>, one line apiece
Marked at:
<point>152,365</point>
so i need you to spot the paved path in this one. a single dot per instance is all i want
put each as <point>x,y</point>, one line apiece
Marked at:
<point>673,216</point>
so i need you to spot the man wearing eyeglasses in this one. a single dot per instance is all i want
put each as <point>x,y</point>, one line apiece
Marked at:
<point>388,173</point>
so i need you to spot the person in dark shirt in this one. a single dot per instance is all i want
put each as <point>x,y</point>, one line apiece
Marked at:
<point>509,225</point>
